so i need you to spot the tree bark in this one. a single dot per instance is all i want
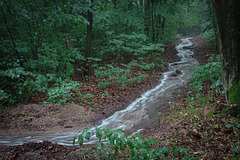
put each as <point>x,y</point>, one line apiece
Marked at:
<point>141,3</point>
<point>11,35</point>
<point>89,36</point>
<point>164,20</point>
<point>152,16</point>
<point>147,17</point>
<point>228,21</point>
<point>213,17</point>
<point>30,33</point>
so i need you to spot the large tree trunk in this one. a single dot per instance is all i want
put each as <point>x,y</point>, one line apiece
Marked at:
<point>228,21</point>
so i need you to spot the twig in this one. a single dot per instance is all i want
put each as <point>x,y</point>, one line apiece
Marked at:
<point>227,105</point>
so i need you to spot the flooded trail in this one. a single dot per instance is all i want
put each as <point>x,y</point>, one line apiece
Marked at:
<point>142,113</point>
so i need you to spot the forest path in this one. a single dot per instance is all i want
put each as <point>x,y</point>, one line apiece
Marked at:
<point>143,112</point>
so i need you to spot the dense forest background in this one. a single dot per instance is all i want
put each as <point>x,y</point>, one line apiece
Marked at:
<point>52,47</point>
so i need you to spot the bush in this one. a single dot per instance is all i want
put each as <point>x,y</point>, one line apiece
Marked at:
<point>135,147</point>
<point>121,48</point>
<point>209,72</point>
<point>61,93</point>
<point>116,75</point>
<point>18,85</point>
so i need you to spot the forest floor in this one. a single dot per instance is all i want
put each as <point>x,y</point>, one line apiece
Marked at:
<point>181,125</point>
<point>34,118</point>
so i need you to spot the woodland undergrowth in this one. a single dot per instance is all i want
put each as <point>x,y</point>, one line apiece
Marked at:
<point>206,127</point>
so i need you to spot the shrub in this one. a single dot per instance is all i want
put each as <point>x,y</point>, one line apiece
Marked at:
<point>116,75</point>
<point>121,47</point>
<point>17,84</point>
<point>61,93</point>
<point>135,147</point>
<point>209,72</point>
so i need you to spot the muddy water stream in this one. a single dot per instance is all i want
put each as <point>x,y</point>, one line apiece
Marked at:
<point>143,112</point>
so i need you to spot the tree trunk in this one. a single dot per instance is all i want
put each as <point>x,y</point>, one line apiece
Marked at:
<point>164,19</point>
<point>152,16</point>
<point>89,37</point>
<point>159,21</point>
<point>228,21</point>
<point>30,33</point>
<point>141,3</point>
<point>11,35</point>
<point>212,13</point>
<point>147,17</point>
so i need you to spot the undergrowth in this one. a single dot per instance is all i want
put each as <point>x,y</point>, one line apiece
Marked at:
<point>116,75</point>
<point>209,122</point>
<point>114,144</point>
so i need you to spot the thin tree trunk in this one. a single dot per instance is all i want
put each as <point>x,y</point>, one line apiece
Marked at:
<point>164,20</point>
<point>214,24</point>
<point>30,34</point>
<point>141,3</point>
<point>89,36</point>
<point>163,24</point>
<point>158,27</point>
<point>153,29</point>
<point>147,17</point>
<point>11,35</point>
<point>159,22</point>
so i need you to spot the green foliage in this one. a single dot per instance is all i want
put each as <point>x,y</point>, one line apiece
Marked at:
<point>123,46</point>
<point>208,34</point>
<point>134,45</point>
<point>61,92</point>
<point>104,84</point>
<point>139,78</point>
<point>234,92</point>
<point>235,151</point>
<point>88,96</point>
<point>105,94</point>
<point>43,43</point>
<point>54,59</point>
<point>19,85</point>
<point>208,25</point>
<point>210,72</point>
<point>135,147</point>
<point>38,46</point>
<point>116,75</point>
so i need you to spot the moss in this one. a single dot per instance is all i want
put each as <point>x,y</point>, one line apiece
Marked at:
<point>233,95</point>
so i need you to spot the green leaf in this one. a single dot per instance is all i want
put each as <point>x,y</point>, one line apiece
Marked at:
<point>99,134</point>
<point>131,143</point>
<point>112,138</point>
<point>134,154</point>
<point>238,126</point>
<point>229,126</point>
<point>88,135</point>
<point>80,140</point>
<point>183,150</point>
<point>153,141</point>
<point>74,140</point>
<point>143,151</point>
